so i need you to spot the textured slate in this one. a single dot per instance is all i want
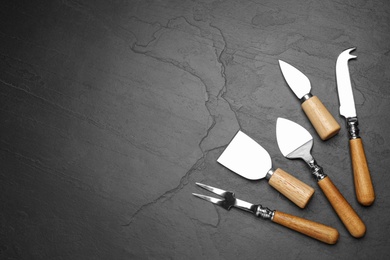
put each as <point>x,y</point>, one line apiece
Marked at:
<point>112,110</point>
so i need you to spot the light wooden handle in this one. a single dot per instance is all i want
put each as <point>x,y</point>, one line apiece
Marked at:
<point>309,228</point>
<point>363,186</point>
<point>345,212</point>
<point>324,123</point>
<point>295,190</point>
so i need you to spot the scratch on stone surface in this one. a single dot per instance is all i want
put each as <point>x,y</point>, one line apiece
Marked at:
<point>101,19</point>
<point>75,182</point>
<point>92,122</point>
<point>34,163</point>
<point>192,72</point>
<point>203,242</point>
<point>75,114</point>
<point>205,224</point>
<point>58,130</point>
<point>208,102</point>
<point>76,5</point>
<point>186,68</point>
<point>170,193</point>
<point>219,58</point>
<point>35,44</point>
<point>153,38</point>
<point>184,180</point>
<point>223,90</point>
<point>208,130</point>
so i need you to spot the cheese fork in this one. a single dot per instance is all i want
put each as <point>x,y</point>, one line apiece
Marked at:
<point>307,227</point>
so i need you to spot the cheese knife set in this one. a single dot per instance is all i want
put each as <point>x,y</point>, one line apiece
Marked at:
<point>247,158</point>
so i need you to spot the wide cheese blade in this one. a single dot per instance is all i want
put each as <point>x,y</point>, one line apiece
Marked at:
<point>296,80</point>
<point>344,88</point>
<point>291,136</point>
<point>246,157</point>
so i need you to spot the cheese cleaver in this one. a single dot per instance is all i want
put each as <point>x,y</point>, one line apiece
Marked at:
<point>296,142</point>
<point>323,122</point>
<point>363,185</point>
<point>250,160</point>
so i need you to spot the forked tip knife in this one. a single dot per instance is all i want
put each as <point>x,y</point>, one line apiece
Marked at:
<point>363,185</point>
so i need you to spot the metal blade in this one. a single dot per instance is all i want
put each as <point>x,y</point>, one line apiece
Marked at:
<point>246,157</point>
<point>296,80</point>
<point>290,137</point>
<point>344,88</point>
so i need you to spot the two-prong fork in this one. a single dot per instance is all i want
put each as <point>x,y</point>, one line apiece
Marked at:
<point>309,228</point>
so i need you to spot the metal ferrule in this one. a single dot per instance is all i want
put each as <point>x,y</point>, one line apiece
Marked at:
<point>306,97</point>
<point>352,126</point>
<point>316,170</point>
<point>264,212</point>
<point>269,174</point>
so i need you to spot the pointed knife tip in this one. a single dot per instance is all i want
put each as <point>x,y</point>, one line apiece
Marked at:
<point>277,121</point>
<point>280,119</point>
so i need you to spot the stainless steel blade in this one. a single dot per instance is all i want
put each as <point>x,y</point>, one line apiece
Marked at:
<point>293,140</point>
<point>246,157</point>
<point>344,88</point>
<point>296,80</point>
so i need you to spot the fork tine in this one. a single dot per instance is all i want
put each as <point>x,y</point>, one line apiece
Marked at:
<point>208,198</point>
<point>217,191</point>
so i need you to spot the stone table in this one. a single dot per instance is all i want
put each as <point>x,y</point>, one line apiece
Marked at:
<point>112,110</point>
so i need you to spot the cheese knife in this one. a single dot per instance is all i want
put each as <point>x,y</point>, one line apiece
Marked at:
<point>296,142</point>
<point>363,185</point>
<point>247,158</point>
<point>319,116</point>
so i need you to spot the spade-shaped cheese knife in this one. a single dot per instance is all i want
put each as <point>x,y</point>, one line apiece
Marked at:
<point>363,186</point>
<point>247,158</point>
<point>324,123</point>
<point>296,142</point>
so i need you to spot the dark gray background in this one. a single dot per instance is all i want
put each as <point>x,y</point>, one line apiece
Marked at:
<point>112,110</point>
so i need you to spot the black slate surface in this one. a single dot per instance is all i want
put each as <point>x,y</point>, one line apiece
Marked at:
<point>112,110</point>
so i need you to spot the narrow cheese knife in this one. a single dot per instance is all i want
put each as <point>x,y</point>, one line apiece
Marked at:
<point>250,160</point>
<point>363,186</point>
<point>296,142</point>
<point>323,122</point>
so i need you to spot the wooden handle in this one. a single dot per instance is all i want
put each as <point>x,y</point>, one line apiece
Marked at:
<point>309,228</point>
<point>295,190</point>
<point>363,186</point>
<point>324,123</point>
<point>345,212</point>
